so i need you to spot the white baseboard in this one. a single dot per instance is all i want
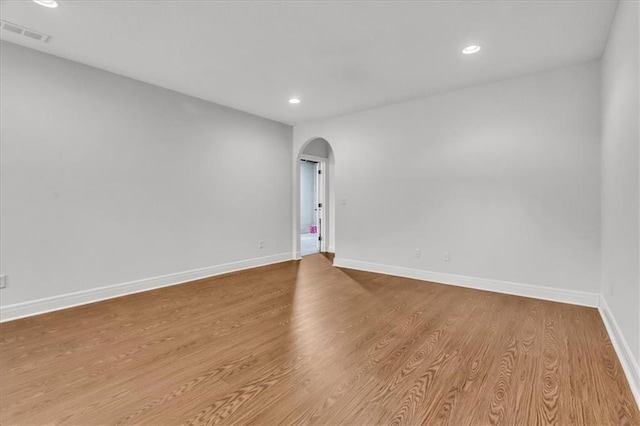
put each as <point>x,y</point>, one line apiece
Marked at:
<point>64,301</point>
<point>331,249</point>
<point>629,364</point>
<point>517,289</point>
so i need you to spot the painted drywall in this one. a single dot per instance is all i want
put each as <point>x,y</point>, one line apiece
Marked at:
<point>317,147</point>
<point>620,177</point>
<point>504,176</point>
<point>107,180</point>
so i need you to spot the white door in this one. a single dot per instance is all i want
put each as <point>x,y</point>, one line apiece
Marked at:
<point>311,206</point>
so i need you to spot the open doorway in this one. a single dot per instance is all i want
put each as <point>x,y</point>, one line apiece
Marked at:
<point>311,205</point>
<point>315,210</point>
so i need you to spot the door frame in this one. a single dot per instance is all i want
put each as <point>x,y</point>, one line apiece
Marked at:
<point>322,197</point>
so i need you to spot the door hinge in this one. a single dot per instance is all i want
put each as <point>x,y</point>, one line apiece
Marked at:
<point>319,237</point>
<point>320,205</point>
<point>319,172</point>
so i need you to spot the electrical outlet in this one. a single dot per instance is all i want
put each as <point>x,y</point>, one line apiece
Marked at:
<point>3,281</point>
<point>417,253</point>
<point>260,244</point>
<point>447,256</point>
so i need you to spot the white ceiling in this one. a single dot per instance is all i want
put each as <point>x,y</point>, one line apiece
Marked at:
<point>337,57</point>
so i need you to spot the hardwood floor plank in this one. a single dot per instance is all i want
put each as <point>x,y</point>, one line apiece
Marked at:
<point>306,343</point>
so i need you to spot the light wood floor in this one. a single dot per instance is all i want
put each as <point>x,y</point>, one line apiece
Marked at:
<point>303,342</point>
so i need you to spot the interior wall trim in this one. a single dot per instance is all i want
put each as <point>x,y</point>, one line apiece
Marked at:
<point>516,289</point>
<point>69,300</point>
<point>629,364</point>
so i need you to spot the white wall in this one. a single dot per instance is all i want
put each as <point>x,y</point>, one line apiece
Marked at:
<point>318,148</point>
<point>504,176</point>
<point>620,177</point>
<point>107,180</point>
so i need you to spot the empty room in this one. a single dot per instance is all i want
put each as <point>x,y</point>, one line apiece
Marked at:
<point>319,212</point>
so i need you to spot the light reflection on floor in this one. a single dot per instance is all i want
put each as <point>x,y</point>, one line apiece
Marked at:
<point>311,326</point>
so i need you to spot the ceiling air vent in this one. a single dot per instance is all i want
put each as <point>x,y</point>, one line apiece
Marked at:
<point>24,31</point>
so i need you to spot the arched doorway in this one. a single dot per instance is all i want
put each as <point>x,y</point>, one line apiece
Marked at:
<point>314,215</point>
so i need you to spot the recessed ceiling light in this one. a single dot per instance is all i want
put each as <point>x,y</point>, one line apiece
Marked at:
<point>294,101</point>
<point>47,3</point>
<point>474,48</point>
